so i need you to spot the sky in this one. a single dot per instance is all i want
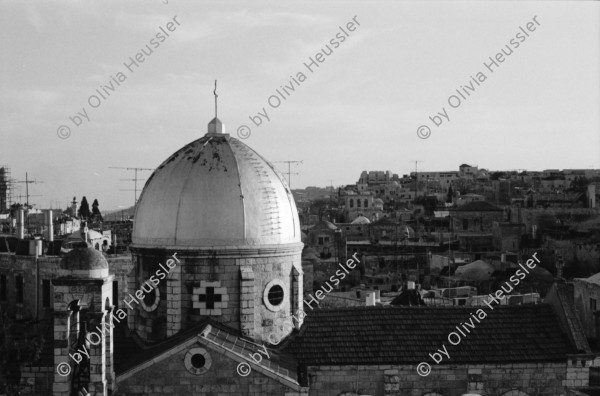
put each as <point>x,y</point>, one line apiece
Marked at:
<point>73,103</point>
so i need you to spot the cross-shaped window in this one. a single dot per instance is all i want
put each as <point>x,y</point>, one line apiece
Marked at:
<point>210,298</point>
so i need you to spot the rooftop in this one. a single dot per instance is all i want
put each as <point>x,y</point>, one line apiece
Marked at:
<point>406,335</point>
<point>477,206</point>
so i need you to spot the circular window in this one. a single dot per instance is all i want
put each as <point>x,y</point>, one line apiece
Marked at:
<point>274,294</point>
<point>197,361</point>
<point>151,299</point>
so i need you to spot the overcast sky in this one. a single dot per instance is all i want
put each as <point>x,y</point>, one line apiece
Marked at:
<point>357,110</point>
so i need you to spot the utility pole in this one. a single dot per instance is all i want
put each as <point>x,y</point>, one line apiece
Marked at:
<point>289,173</point>
<point>417,177</point>
<point>135,179</point>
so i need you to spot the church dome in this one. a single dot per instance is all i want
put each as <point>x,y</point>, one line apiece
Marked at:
<point>215,192</point>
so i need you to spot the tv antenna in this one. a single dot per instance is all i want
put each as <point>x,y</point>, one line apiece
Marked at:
<point>27,183</point>
<point>134,180</point>
<point>289,172</point>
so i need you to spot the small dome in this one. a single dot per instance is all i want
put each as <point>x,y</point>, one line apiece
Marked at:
<point>541,274</point>
<point>476,271</point>
<point>309,253</point>
<point>85,262</point>
<point>361,220</point>
<point>324,225</point>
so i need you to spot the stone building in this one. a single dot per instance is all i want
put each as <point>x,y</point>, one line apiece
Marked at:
<point>586,292</point>
<point>507,236</point>
<point>376,350</point>
<point>70,296</point>
<point>468,171</point>
<point>231,220</point>
<point>325,238</point>
<point>473,223</point>
<point>362,204</point>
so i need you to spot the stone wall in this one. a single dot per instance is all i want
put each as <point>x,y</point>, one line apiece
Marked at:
<point>36,380</point>
<point>449,380</point>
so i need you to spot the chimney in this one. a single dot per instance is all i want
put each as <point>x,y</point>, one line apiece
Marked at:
<point>49,226</point>
<point>370,302</point>
<point>377,296</point>
<point>21,224</point>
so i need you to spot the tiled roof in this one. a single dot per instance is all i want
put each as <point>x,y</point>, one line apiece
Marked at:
<point>275,360</point>
<point>478,206</point>
<point>565,298</point>
<point>406,335</point>
<point>324,225</point>
<point>592,279</point>
<point>384,221</point>
<point>126,361</point>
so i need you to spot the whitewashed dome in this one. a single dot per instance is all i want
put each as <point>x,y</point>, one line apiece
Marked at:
<point>215,192</point>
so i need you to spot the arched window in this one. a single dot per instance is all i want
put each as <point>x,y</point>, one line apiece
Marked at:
<point>366,203</point>
<point>358,203</point>
<point>351,203</point>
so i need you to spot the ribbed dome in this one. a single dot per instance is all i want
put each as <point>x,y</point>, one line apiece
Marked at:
<point>216,191</point>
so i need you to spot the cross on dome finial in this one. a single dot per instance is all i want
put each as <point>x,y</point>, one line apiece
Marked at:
<point>216,96</point>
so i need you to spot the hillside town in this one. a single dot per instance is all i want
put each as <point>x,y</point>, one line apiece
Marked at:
<point>427,239</point>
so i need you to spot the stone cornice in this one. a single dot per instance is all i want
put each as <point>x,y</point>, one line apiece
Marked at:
<point>220,251</point>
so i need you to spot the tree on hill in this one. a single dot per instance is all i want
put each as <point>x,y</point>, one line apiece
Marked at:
<point>84,209</point>
<point>320,206</point>
<point>450,195</point>
<point>430,203</point>
<point>96,215</point>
